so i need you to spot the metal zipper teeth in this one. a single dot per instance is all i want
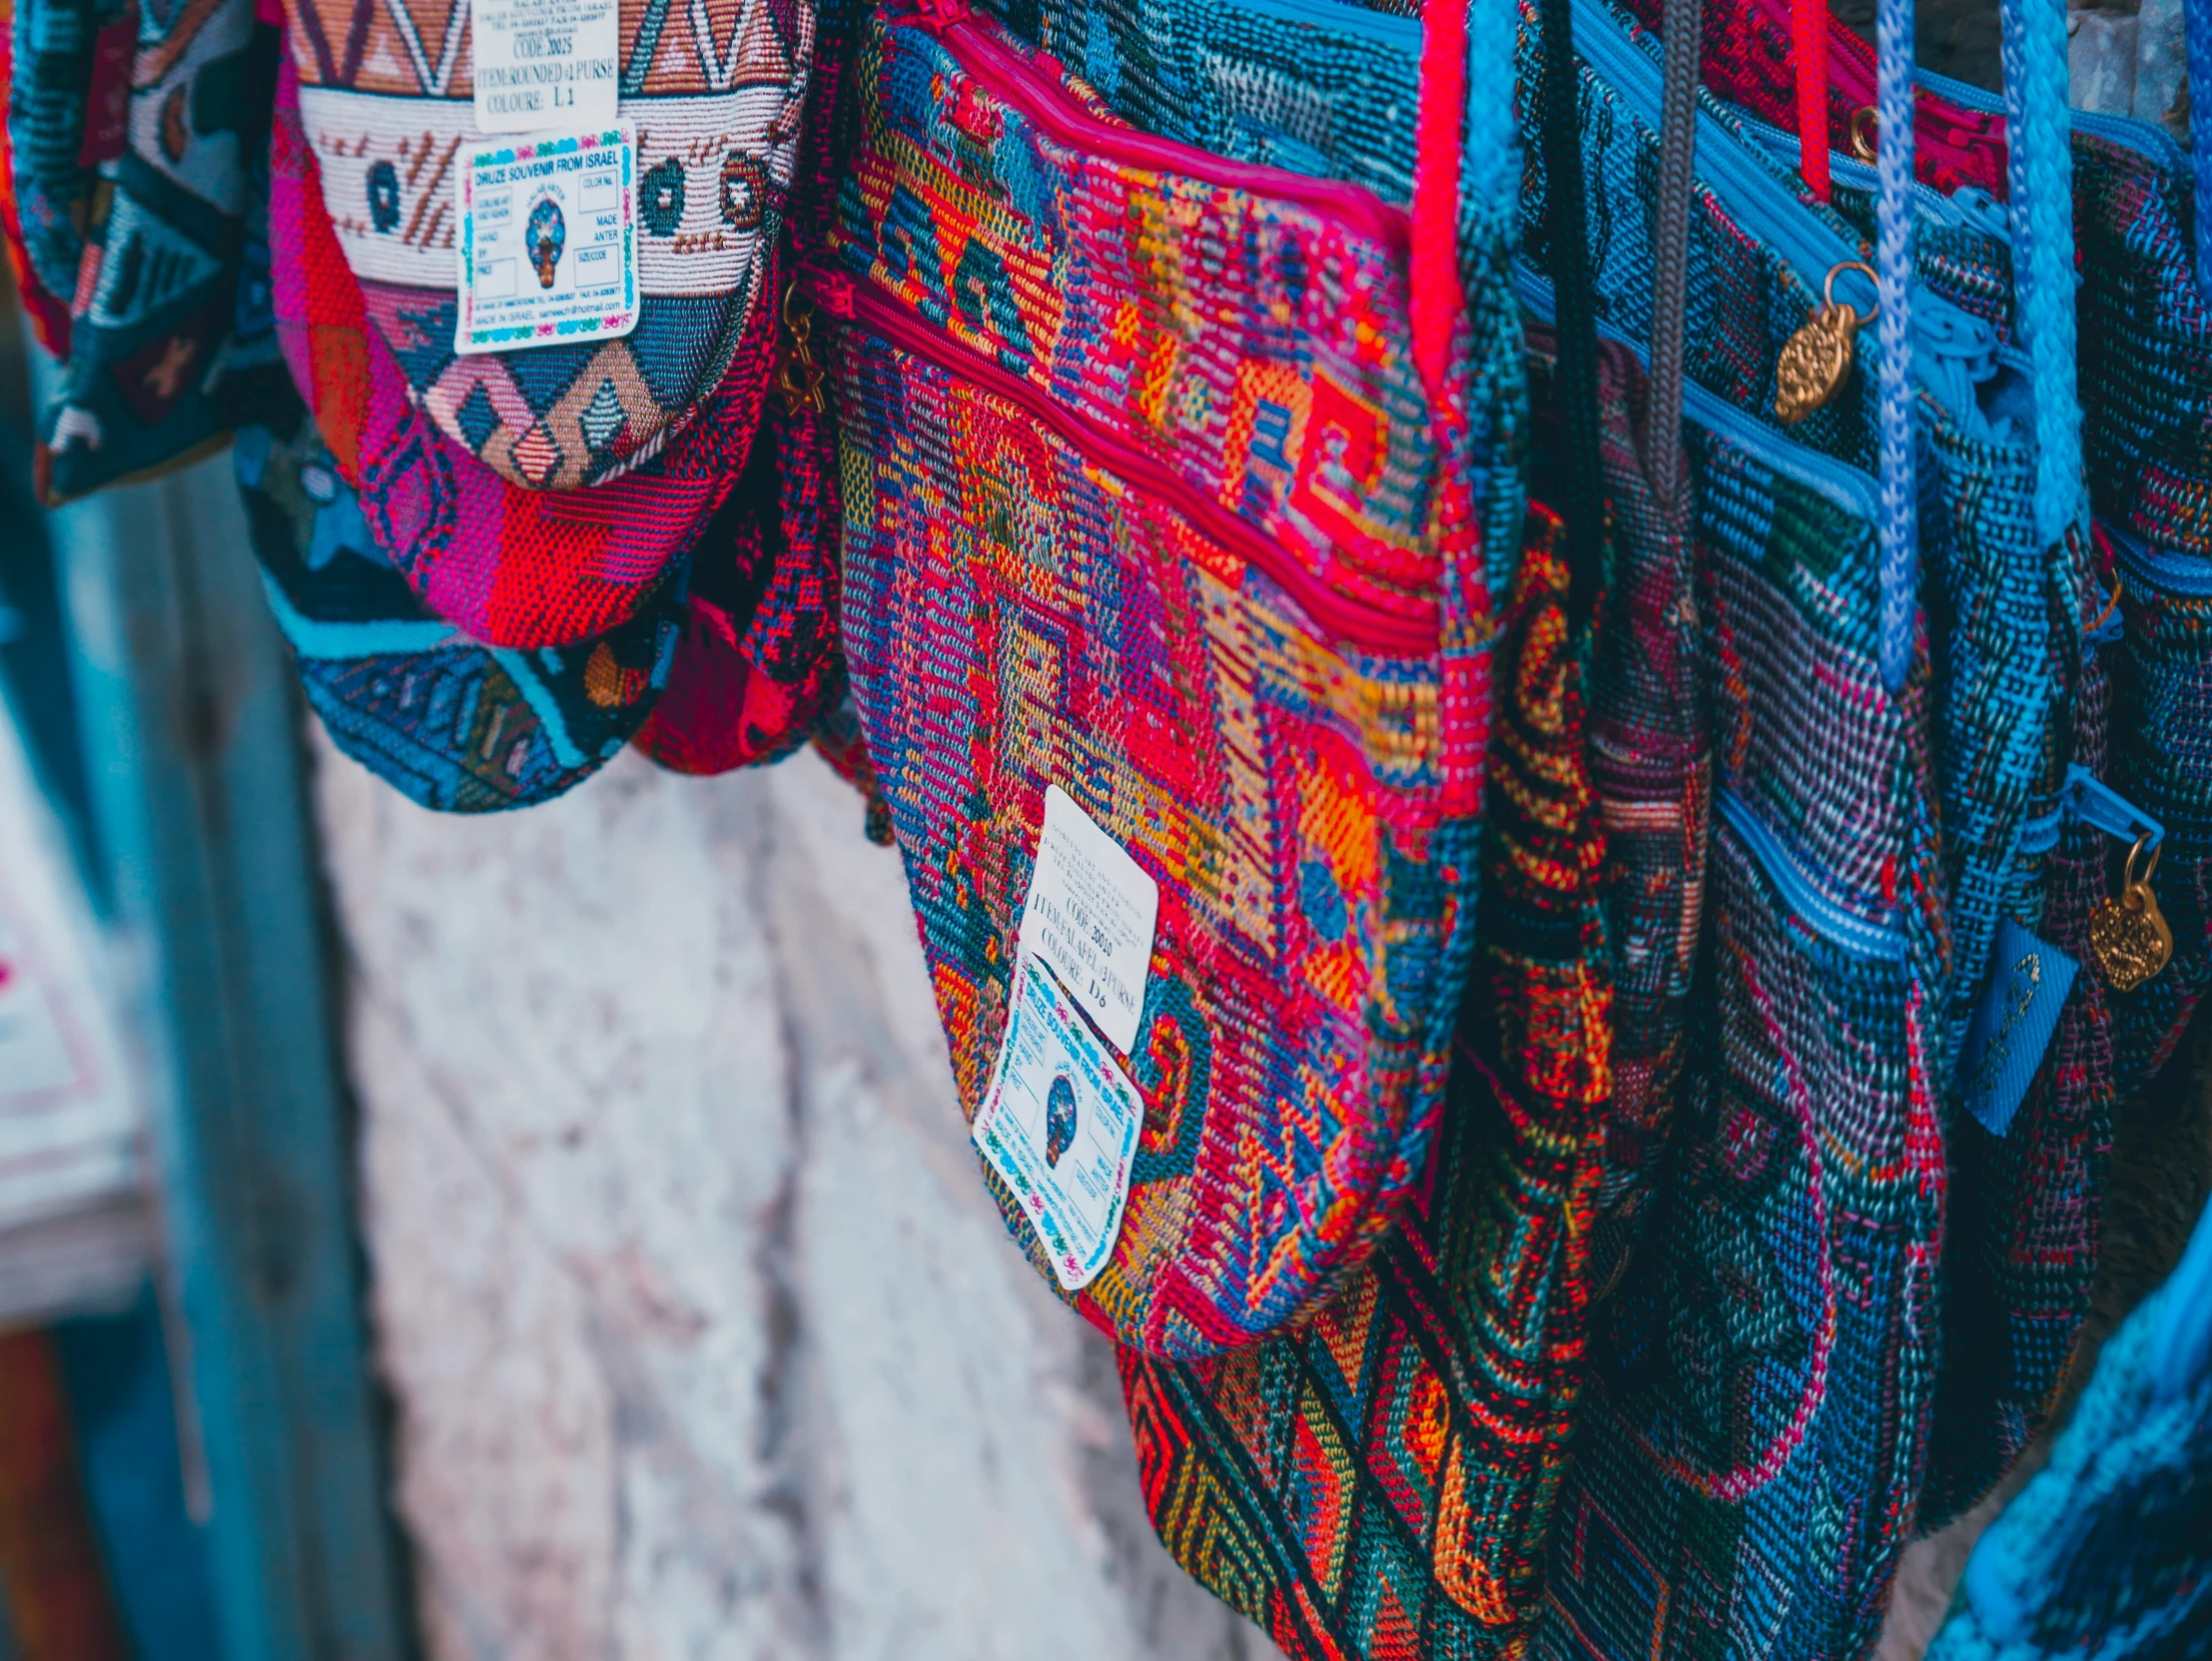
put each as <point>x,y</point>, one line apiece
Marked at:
<point>1011,77</point>
<point>2147,566</point>
<point>1846,930</point>
<point>1839,482</point>
<point>1341,621</point>
<point>2140,135</point>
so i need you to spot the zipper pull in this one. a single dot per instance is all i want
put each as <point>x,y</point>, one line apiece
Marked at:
<point>2087,797</point>
<point>2128,934</point>
<point>1817,360</point>
<point>798,377</point>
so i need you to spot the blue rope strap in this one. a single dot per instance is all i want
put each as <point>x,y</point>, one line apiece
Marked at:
<point>2042,164</point>
<point>1897,530</point>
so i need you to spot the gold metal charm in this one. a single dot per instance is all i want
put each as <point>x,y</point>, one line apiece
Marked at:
<point>2129,935</point>
<point>1817,359</point>
<point>798,377</point>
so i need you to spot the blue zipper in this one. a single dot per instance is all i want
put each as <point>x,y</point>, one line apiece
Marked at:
<point>1971,207</point>
<point>1846,930</point>
<point>2143,137</point>
<point>1850,489</point>
<point>2146,566</point>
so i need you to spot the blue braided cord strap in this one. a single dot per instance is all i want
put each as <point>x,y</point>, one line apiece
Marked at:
<point>1898,528</point>
<point>2037,122</point>
<point>2197,26</point>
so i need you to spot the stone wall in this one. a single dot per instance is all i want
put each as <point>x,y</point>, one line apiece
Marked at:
<point>703,1337</point>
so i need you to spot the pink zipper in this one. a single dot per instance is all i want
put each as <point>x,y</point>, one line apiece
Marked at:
<point>1343,622</point>
<point>1008,74</point>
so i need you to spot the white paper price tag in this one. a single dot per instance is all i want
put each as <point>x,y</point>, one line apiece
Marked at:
<point>549,239</point>
<point>1058,1125</point>
<point>1091,913</point>
<point>544,63</point>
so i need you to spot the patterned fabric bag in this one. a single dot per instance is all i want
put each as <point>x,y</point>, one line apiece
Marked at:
<point>1759,1374</point>
<point>508,567</point>
<point>131,137</point>
<point>2022,1250</point>
<point>73,61</point>
<point>716,95</point>
<point>1161,473</point>
<point>452,725</point>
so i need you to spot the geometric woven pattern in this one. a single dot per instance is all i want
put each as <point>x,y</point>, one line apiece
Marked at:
<point>507,566</point>
<point>455,725</point>
<point>1144,498</point>
<point>1751,1442</point>
<point>1377,1483</point>
<point>716,90</point>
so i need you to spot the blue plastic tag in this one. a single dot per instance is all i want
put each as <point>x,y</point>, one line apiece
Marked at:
<point>2026,988</point>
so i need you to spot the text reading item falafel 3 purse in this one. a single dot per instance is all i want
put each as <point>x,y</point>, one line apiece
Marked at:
<point>1160,485</point>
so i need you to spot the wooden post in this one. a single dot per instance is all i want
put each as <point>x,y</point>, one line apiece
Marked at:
<point>190,722</point>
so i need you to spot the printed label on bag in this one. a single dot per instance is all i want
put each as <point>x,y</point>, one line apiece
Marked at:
<point>1091,912</point>
<point>2020,1002</point>
<point>547,240</point>
<point>1058,1125</point>
<point>544,63</point>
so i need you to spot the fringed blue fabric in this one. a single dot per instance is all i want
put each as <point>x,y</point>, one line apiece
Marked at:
<point>1897,530</point>
<point>2108,1551</point>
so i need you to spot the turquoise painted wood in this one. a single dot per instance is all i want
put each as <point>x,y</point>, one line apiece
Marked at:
<point>191,729</point>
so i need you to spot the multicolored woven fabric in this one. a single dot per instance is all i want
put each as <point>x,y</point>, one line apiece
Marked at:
<point>1144,498</point>
<point>1749,1452</point>
<point>455,726</point>
<point>2021,1237</point>
<point>2108,1549</point>
<point>716,92</point>
<point>1650,765</point>
<point>1377,1483</point>
<point>507,566</point>
<point>47,310</point>
<point>2147,438</point>
<point>69,84</point>
<point>757,663</point>
<point>153,374</point>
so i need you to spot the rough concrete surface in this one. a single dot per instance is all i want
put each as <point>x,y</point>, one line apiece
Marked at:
<point>703,1337</point>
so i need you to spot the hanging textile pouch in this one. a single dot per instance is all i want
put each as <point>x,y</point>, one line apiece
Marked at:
<point>1166,621</point>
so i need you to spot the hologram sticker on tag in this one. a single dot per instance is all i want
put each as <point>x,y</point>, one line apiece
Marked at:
<point>1058,1125</point>
<point>547,244</point>
<point>544,63</point>
<point>1090,914</point>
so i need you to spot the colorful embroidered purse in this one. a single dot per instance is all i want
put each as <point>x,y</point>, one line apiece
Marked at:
<point>1159,490</point>
<point>715,94</point>
<point>507,566</point>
